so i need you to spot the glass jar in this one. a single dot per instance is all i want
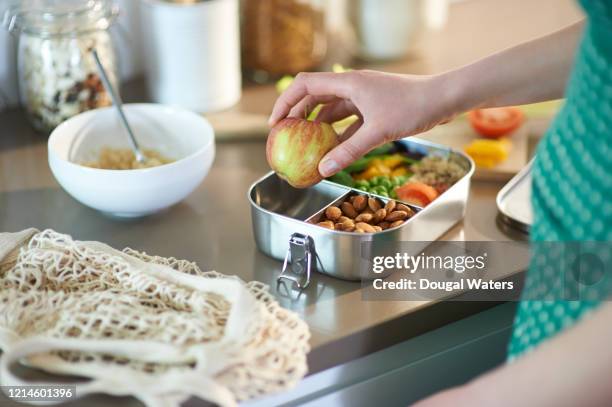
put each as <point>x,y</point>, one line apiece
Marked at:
<point>282,36</point>
<point>57,74</point>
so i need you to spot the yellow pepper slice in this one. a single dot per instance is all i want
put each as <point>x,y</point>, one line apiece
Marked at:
<point>369,173</point>
<point>488,153</point>
<point>393,161</point>
<point>381,167</point>
<point>399,172</point>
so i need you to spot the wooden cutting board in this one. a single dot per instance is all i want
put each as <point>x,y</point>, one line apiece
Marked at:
<point>236,125</point>
<point>458,133</point>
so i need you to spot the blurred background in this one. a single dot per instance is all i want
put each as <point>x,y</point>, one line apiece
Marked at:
<point>183,45</point>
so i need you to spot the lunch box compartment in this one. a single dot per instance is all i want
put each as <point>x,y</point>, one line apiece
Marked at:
<point>352,192</point>
<point>275,195</point>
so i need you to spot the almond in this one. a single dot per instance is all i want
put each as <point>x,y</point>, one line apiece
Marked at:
<point>368,210</point>
<point>343,219</point>
<point>384,225</point>
<point>364,217</point>
<point>366,227</point>
<point>378,228</point>
<point>348,225</point>
<point>396,215</point>
<point>396,224</point>
<point>380,215</point>
<point>333,213</point>
<point>359,230</point>
<point>326,224</point>
<point>390,205</point>
<point>360,202</point>
<point>404,208</point>
<point>374,204</point>
<point>349,210</point>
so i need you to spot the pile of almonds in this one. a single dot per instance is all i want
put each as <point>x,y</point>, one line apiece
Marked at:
<point>363,214</point>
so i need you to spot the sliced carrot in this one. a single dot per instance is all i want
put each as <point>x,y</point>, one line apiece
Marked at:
<point>416,193</point>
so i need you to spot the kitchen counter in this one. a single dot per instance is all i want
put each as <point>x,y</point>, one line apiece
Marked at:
<point>213,227</point>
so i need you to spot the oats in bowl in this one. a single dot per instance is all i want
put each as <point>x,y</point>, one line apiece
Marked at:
<point>124,159</point>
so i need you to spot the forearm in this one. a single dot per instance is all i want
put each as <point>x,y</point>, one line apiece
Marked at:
<point>390,106</point>
<point>531,72</point>
<point>572,369</point>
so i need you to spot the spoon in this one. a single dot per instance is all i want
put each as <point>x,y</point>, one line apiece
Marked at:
<point>119,106</point>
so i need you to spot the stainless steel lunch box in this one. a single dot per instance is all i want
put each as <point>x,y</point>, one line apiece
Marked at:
<point>280,215</point>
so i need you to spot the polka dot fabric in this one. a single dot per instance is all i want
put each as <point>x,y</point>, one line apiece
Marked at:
<point>572,187</point>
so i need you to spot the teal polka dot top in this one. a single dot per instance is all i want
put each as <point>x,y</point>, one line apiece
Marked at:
<point>570,268</point>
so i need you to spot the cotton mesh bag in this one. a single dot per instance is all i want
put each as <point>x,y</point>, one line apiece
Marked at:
<point>159,329</point>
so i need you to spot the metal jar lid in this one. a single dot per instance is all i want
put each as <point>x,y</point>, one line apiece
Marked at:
<point>47,18</point>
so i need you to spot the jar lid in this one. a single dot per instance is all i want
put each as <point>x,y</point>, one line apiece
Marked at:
<point>59,17</point>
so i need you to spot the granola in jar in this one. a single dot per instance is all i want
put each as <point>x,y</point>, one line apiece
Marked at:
<point>57,74</point>
<point>283,36</point>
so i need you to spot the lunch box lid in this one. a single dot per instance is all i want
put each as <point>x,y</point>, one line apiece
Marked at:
<point>514,201</point>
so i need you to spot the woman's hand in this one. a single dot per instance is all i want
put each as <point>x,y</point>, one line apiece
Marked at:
<point>388,107</point>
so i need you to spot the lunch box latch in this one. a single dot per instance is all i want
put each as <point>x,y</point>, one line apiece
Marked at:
<point>298,261</point>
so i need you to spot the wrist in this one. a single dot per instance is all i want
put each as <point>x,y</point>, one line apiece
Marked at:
<point>452,90</point>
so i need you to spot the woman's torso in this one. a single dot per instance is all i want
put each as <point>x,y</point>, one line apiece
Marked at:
<point>570,270</point>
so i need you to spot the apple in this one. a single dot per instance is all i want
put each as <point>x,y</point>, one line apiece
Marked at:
<point>295,147</point>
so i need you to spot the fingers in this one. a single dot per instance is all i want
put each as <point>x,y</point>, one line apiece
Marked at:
<point>316,84</point>
<point>308,103</point>
<point>362,141</point>
<point>338,110</point>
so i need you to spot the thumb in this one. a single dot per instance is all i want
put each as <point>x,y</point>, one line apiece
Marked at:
<point>348,151</point>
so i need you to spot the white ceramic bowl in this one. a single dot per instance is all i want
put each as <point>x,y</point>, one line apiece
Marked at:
<point>176,133</point>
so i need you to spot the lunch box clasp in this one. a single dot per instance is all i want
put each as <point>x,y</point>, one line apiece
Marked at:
<point>298,261</point>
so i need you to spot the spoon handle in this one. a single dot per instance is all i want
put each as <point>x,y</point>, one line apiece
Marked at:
<point>118,105</point>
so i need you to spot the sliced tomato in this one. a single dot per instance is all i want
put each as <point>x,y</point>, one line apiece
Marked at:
<point>416,193</point>
<point>496,122</point>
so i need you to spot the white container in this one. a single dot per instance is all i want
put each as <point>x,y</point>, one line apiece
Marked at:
<point>192,53</point>
<point>176,133</point>
<point>385,29</point>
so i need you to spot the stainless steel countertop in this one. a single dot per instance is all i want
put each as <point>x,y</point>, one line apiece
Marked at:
<point>212,227</point>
